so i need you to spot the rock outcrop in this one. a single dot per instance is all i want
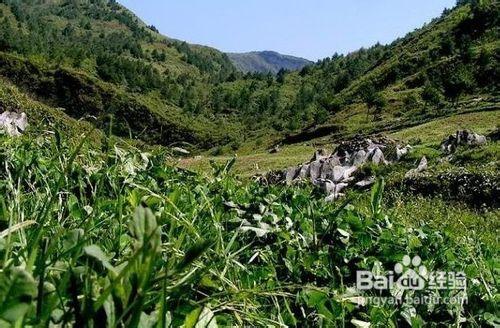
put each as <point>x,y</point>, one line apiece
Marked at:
<point>12,123</point>
<point>180,151</point>
<point>422,166</point>
<point>334,173</point>
<point>462,138</point>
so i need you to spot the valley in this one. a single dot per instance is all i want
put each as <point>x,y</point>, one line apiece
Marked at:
<point>159,183</point>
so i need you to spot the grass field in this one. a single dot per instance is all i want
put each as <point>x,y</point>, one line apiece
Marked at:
<point>252,164</point>
<point>436,131</point>
<point>119,238</point>
<point>431,133</point>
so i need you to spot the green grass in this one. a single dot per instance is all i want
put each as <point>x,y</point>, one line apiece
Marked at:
<point>437,130</point>
<point>250,162</point>
<point>249,165</point>
<point>458,220</point>
<point>119,238</point>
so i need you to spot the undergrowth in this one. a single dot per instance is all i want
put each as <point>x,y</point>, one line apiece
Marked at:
<point>118,238</point>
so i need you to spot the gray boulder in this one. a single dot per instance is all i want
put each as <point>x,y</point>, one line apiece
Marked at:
<point>365,183</point>
<point>378,157</point>
<point>334,173</point>
<point>462,138</point>
<point>315,170</point>
<point>180,151</point>
<point>291,174</point>
<point>13,124</point>
<point>422,166</point>
<point>401,152</point>
<point>360,158</point>
<point>319,155</point>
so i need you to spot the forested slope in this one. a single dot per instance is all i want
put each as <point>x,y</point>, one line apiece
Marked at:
<point>95,58</point>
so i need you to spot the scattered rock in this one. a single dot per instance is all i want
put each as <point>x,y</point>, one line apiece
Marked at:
<point>378,157</point>
<point>401,152</point>
<point>319,154</point>
<point>422,166</point>
<point>366,182</point>
<point>13,124</point>
<point>462,138</point>
<point>180,151</point>
<point>291,174</point>
<point>334,173</point>
<point>273,177</point>
<point>276,149</point>
<point>359,157</point>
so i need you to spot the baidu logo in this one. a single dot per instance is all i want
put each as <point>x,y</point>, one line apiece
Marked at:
<point>410,274</point>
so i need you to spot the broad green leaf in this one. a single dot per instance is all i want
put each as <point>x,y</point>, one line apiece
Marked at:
<point>17,290</point>
<point>72,238</point>
<point>376,197</point>
<point>95,252</point>
<point>148,321</point>
<point>144,228</point>
<point>491,319</point>
<point>414,242</point>
<point>109,308</point>
<point>192,318</point>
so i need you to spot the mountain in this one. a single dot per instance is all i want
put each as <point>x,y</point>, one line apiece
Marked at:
<point>94,59</point>
<point>101,222</point>
<point>266,62</point>
<point>448,66</point>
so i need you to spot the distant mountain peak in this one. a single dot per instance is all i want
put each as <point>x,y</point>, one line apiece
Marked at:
<point>266,61</point>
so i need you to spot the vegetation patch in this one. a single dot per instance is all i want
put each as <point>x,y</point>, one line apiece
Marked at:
<point>119,237</point>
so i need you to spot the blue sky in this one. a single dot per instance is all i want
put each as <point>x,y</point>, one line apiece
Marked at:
<point>312,29</point>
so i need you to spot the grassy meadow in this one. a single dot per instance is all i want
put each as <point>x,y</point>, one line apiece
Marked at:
<point>112,235</point>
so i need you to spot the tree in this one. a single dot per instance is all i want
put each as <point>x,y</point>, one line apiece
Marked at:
<point>153,28</point>
<point>341,82</point>
<point>457,81</point>
<point>411,101</point>
<point>447,46</point>
<point>280,77</point>
<point>431,95</point>
<point>379,103</point>
<point>373,99</point>
<point>155,54</point>
<point>320,115</point>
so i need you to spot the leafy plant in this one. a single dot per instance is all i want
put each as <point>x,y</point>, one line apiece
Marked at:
<point>117,238</point>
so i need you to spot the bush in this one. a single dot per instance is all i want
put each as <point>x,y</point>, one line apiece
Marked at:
<point>470,187</point>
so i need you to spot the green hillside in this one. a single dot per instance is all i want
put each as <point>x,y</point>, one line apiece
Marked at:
<point>95,58</point>
<point>448,66</point>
